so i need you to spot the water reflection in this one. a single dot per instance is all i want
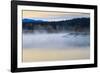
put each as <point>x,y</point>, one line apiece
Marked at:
<point>55,40</point>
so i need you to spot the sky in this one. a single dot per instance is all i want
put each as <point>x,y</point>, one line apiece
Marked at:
<point>52,16</point>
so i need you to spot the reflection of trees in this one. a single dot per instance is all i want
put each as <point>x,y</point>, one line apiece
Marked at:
<point>78,24</point>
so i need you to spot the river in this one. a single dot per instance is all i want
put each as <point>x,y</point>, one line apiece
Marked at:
<point>55,40</point>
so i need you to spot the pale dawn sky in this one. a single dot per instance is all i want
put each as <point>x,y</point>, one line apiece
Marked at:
<point>52,16</point>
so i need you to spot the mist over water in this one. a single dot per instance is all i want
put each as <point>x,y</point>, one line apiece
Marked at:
<point>55,40</point>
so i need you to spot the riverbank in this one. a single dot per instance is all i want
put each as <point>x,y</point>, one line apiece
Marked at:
<point>34,55</point>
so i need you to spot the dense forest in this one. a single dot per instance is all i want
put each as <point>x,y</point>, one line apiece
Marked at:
<point>76,24</point>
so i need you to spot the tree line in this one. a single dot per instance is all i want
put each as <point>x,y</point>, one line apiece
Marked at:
<point>76,24</point>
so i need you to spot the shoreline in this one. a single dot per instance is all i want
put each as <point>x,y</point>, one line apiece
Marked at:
<point>35,55</point>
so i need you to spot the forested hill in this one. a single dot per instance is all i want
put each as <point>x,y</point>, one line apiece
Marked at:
<point>82,22</point>
<point>73,24</point>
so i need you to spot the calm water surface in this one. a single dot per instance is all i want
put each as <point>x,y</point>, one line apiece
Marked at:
<point>55,40</point>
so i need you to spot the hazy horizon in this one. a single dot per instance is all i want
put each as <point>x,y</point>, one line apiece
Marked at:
<point>52,16</point>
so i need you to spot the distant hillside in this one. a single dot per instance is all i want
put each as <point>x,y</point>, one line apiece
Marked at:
<point>76,24</point>
<point>26,20</point>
